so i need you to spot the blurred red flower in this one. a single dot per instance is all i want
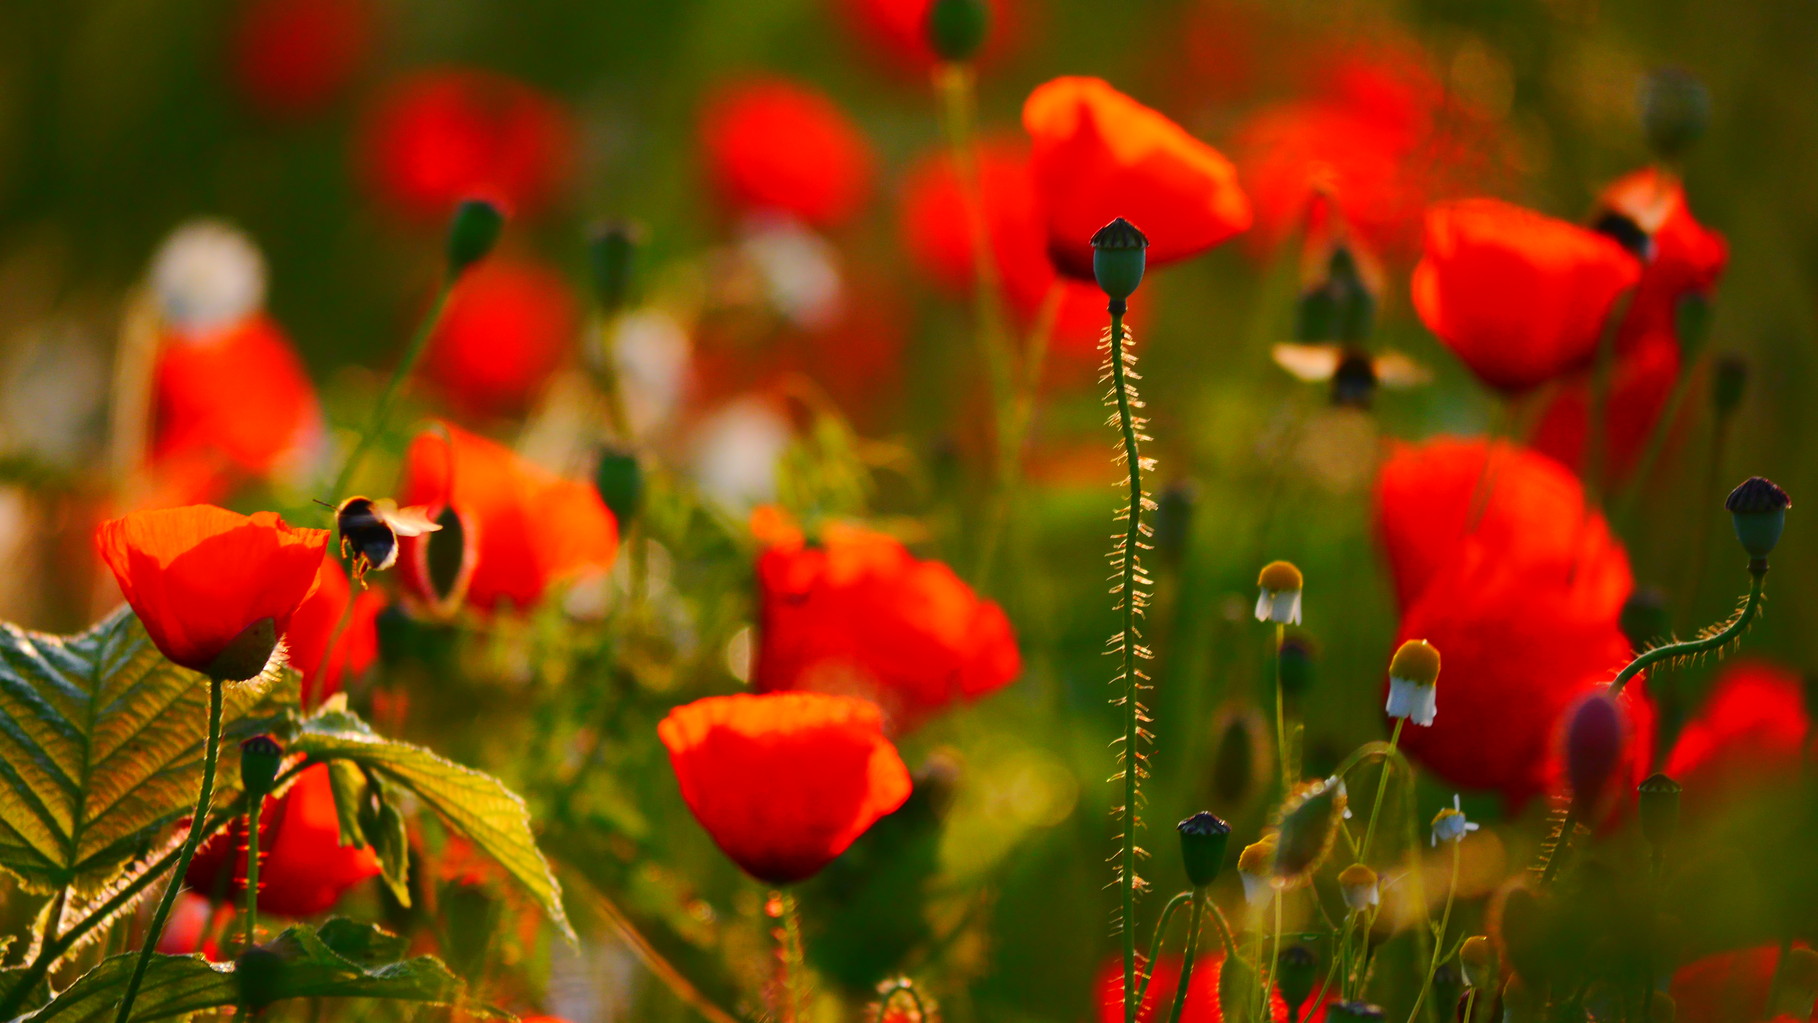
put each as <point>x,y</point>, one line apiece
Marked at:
<point>1522,298</point>
<point>1751,730</point>
<point>1641,383</point>
<point>935,228</point>
<point>897,32</point>
<point>1729,987</point>
<point>192,916</point>
<point>314,624</point>
<point>527,527</point>
<point>303,867</point>
<point>508,326</point>
<point>855,613</point>
<point>774,144</point>
<point>199,576</point>
<point>1099,155</point>
<point>291,57</point>
<point>784,782</point>
<point>1685,257</point>
<point>1519,584</point>
<point>236,401</point>
<point>1202,990</point>
<point>438,137</point>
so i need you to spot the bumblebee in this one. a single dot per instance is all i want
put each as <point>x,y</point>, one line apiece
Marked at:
<point>370,530</point>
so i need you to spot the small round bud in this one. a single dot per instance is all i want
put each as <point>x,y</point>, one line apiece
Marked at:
<point>1645,617</point>
<point>1204,838</point>
<point>1758,509</point>
<point>1296,971</point>
<point>620,480</point>
<point>1280,576</point>
<point>1174,523</point>
<point>1355,1012</point>
<point>609,261</point>
<point>1692,323</point>
<point>260,758</point>
<point>1729,381</point>
<point>1477,959</point>
<point>1657,800</point>
<point>1298,653</point>
<point>1360,887</point>
<point>1675,110</point>
<point>1593,748</point>
<point>1118,259</point>
<point>472,233</point>
<point>956,28</point>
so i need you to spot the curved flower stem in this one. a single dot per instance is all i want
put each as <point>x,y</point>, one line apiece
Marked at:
<point>1703,645</point>
<point>1155,943</point>
<point>1382,785</point>
<point>1224,928</point>
<point>1186,963</point>
<point>1340,952</point>
<point>1439,939</point>
<point>381,409</point>
<point>1656,443</point>
<point>253,814</point>
<point>197,823</point>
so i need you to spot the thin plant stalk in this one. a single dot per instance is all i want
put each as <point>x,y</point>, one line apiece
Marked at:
<point>1382,785</point>
<point>1439,943</point>
<point>1155,943</point>
<point>197,823</point>
<point>381,410</point>
<point>1186,963</point>
<point>253,815</point>
<point>1281,717</point>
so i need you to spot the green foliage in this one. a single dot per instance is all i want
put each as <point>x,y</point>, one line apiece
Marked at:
<point>341,959</point>
<point>475,805</point>
<point>101,744</point>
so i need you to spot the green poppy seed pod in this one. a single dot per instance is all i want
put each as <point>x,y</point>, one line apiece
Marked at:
<point>1174,523</point>
<point>1657,802</point>
<point>1675,111</point>
<point>1692,323</point>
<point>472,233</point>
<point>1729,381</point>
<point>259,973</point>
<point>1204,838</point>
<point>1355,1012</point>
<point>1296,971</point>
<point>609,260</point>
<point>957,28</point>
<point>1118,258</point>
<point>1758,509</point>
<point>1298,654</point>
<point>1645,617</point>
<point>620,481</point>
<point>260,758</point>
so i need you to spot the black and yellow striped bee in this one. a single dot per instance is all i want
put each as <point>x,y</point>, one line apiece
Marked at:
<point>370,529</point>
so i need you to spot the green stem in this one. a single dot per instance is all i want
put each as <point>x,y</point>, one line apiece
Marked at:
<point>1127,561</point>
<point>1692,647</point>
<point>1267,969</point>
<point>197,823</point>
<point>1439,942</point>
<point>381,410</point>
<point>253,817</point>
<point>1281,717</point>
<point>1382,785</point>
<point>1470,1013</point>
<point>1186,964</point>
<point>1155,943</point>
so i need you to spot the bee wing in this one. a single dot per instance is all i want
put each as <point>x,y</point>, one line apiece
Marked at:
<point>1312,363</point>
<point>412,521</point>
<point>1393,369</point>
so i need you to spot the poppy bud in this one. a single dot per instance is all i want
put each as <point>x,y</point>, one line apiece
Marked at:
<point>1645,617</point>
<point>1477,959</point>
<point>609,259</point>
<point>1279,597</point>
<point>1358,884</point>
<point>1235,768</point>
<point>1758,509</point>
<point>1729,380</point>
<point>1675,110</point>
<point>620,481</point>
<point>956,28</point>
<point>260,974</point>
<point>1296,970</point>
<point>1203,840</point>
<point>260,757</point>
<point>1657,800</point>
<point>1297,653</point>
<point>1174,523</point>
<point>1253,866</point>
<point>1355,1012</point>
<point>1593,746</point>
<point>1118,258</point>
<point>1692,323</point>
<point>472,233</point>
<point>247,654</point>
<point>1309,826</point>
<point>1414,682</point>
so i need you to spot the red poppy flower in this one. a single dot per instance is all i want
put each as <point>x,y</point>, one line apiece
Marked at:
<point>236,399</point>
<point>1520,297</point>
<point>1684,258</point>
<point>1751,730</point>
<point>784,782</point>
<point>507,327</point>
<point>856,613</point>
<point>314,624</point>
<point>897,31</point>
<point>303,867</point>
<point>1730,987</point>
<point>439,137</point>
<point>199,576</point>
<point>291,57</point>
<point>935,227</point>
<point>1202,990</point>
<point>1640,385</point>
<point>527,527</point>
<point>1523,607</point>
<point>773,144</point>
<point>1099,155</point>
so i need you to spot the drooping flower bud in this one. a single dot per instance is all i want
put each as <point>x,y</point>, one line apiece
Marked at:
<point>1593,748</point>
<point>1236,986</point>
<point>1657,801</point>
<point>472,234</point>
<point>1758,509</point>
<point>260,758</point>
<point>1729,380</point>
<point>1450,823</point>
<point>1204,838</point>
<point>1360,888</point>
<point>1675,110</point>
<point>1255,866</point>
<point>1310,820</point>
<point>1414,682</point>
<point>957,28</point>
<point>1477,959</point>
<point>620,480</point>
<point>1118,258</point>
<point>1280,584</point>
<point>1296,971</point>
<point>609,261</point>
<point>1519,925</point>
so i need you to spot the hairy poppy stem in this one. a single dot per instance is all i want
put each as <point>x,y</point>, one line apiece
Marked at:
<point>197,823</point>
<point>1705,644</point>
<point>253,815</point>
<point>1439,939</point>
<point>1186,963</point>
<point>381,410</point>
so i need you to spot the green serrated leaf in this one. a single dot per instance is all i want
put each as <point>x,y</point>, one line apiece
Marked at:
<point>393,846</point>
<point>348,783</point>
<point>341,960</point>
<point>474,804</point>
<point>101,743</point>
